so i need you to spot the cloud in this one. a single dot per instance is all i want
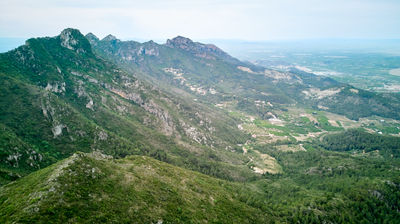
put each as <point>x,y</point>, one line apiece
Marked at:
<point>250,19</point>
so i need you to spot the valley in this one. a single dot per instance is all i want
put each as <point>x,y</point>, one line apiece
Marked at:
<point>104,130</point>
<point>366,64</point>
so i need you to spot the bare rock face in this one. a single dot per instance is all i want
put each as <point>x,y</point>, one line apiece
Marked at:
<point>74,40</point>
<point>68,40</point>
<point>167,124</point>
<point>150,48</point>
<point>127,50</point>
<point>180,42</point>
<point>109,38</point>
<point>56,87</point>
<point>208,51</point>
<point>57,130</point>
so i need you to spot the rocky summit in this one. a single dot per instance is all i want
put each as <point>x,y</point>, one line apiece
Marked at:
<point>73,40</point>
<point>208,51</point>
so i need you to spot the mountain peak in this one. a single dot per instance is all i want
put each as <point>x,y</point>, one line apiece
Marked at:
<point>109,37</point>
<point>73,39</point>
<point>180,41</point>
<point>208,51</point>
<point>92,38</point>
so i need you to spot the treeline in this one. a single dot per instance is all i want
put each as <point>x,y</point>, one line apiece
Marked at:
<point>321,186</point>
<point>358,140</point>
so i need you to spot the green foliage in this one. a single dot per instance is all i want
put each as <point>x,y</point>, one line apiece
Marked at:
<point>302,126</point>
<point>336,187</point>
<point>318,186</point>
<point>359,140</point>
<point>134,189</point>
<point>325,125</point>
<point>47,86</point>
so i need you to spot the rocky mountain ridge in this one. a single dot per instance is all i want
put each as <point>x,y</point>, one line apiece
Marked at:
<point>81,189</point>
<point>211,68</point>
<point>230,141</point>
<point>77,93</point>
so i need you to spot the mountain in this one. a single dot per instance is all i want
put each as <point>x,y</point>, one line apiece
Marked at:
<point>94,188</point>
<point>104,130</point>
<point>208,51</point>
<point>209,73</point>
<point>88,188</point>
<point>58,97</point>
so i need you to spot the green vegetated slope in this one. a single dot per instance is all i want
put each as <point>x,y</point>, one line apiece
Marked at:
<point>38,129</point>
<point>92,188</point>
<point>319,186</point>
<point>58,96</point>
<point>316,187</point>
<point>195,107</point>
<point>356,140</point>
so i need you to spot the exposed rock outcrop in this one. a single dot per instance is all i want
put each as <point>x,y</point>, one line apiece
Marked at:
<point>74,40</point>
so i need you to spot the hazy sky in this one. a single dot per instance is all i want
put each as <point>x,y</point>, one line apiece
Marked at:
<point>205,19</point>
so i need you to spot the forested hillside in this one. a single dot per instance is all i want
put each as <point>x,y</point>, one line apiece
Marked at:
<point>111,131</point>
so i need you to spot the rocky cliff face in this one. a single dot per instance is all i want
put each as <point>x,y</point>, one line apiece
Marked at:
<point>73,40</point>
<point>181,42</point>
<point>125,50</point>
